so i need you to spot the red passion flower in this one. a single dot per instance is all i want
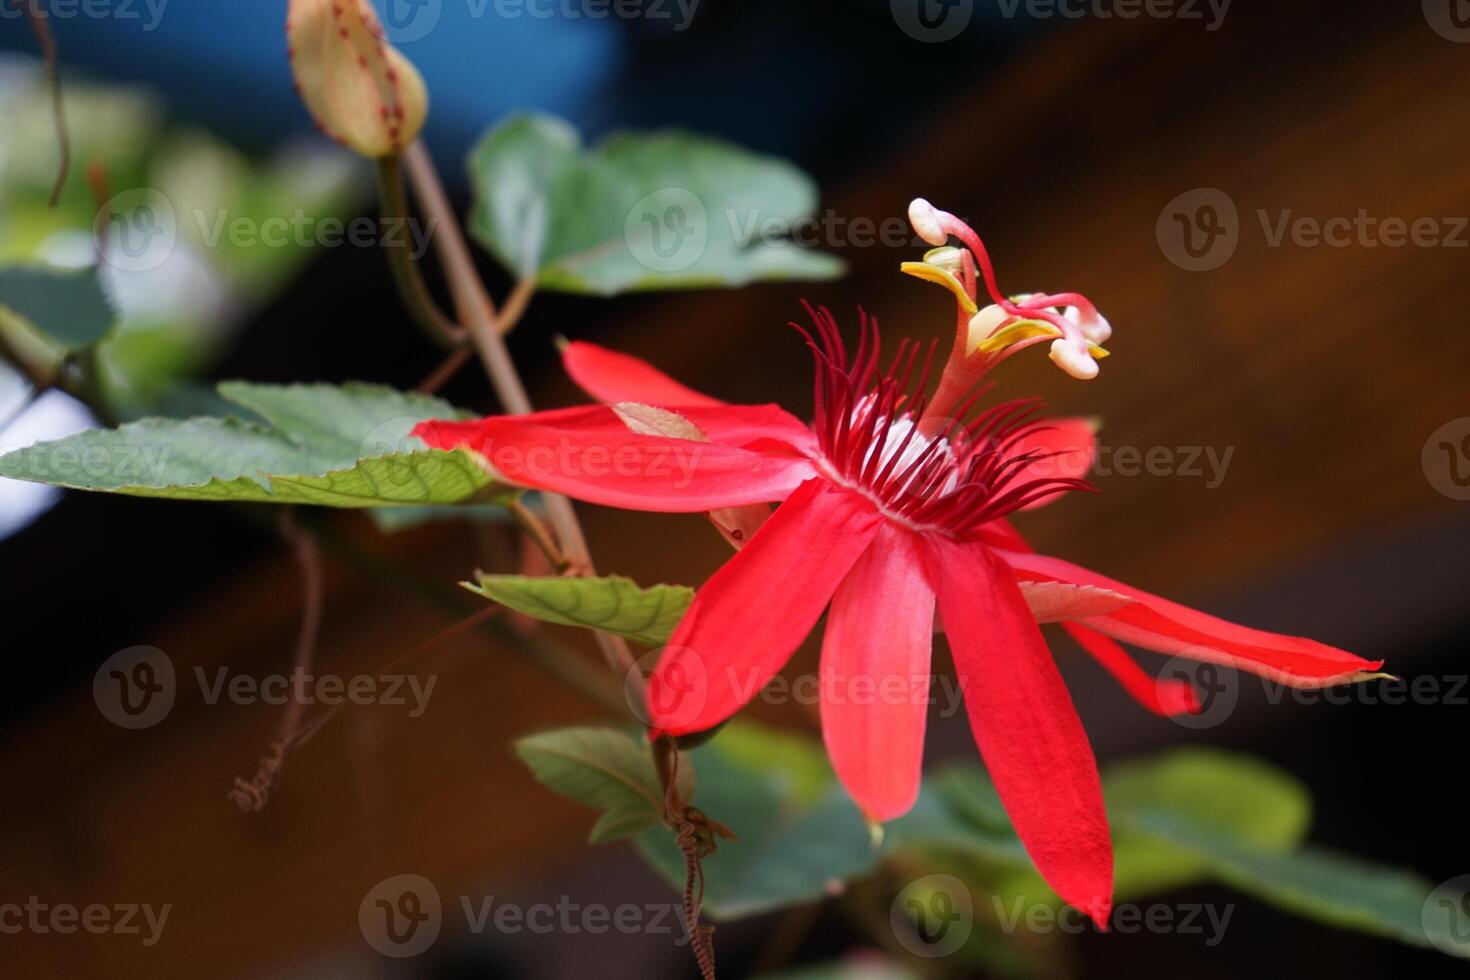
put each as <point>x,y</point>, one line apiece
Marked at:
<point>893,505</point>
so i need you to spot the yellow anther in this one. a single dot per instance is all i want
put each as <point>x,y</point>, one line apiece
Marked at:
<point>1011,333</point>
<point>934,274</point>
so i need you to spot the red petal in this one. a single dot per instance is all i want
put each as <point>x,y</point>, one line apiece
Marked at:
<point>755,426</point>
<point>875,675</point>
<point>755,611</point>
<point>752,426</point>
<point>1167,627</point>
<point>1071,444</point>
<point>585,458</point>
<point>1024,723</point>
<point>608,376</point>
<point>1159,695</point>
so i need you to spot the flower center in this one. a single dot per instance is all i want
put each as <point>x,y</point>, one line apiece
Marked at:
<point>930,473</point>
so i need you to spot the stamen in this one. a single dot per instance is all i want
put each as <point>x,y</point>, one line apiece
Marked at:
<point>876,437</point>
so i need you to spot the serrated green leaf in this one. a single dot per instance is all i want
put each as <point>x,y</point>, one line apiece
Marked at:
<point>613,604</point>
<point>66,306</point>
<point>340,424</point>
<point>603,768</point>
<point>666,210</point>
<point>352,451</point>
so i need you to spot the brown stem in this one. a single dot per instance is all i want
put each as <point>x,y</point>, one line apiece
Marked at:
<point>51,61</point>
<point>477,309</point>
<point>252,796</point>
<point>538,533</point>
<point>302,734</point>
<point>694,832</point>
<point>406,277</point>
<point>446,370</point>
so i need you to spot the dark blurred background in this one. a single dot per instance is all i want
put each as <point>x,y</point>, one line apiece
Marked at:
<point>1068,142</point>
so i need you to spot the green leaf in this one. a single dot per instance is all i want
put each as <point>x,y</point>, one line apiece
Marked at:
<point>1324,886</point>
<point>1240,798</point>
<point>330,446</point>
<point>66,306</point>
<point>666,210</point>
<point>1213,795</point>
<point>603,768</point>
<point>795,833</point>
<point>613,604</point>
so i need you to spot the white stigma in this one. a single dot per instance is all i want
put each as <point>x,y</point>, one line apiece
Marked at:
<point>925,219</point>
<point>1094,327</point>
<point>1072,357</point>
